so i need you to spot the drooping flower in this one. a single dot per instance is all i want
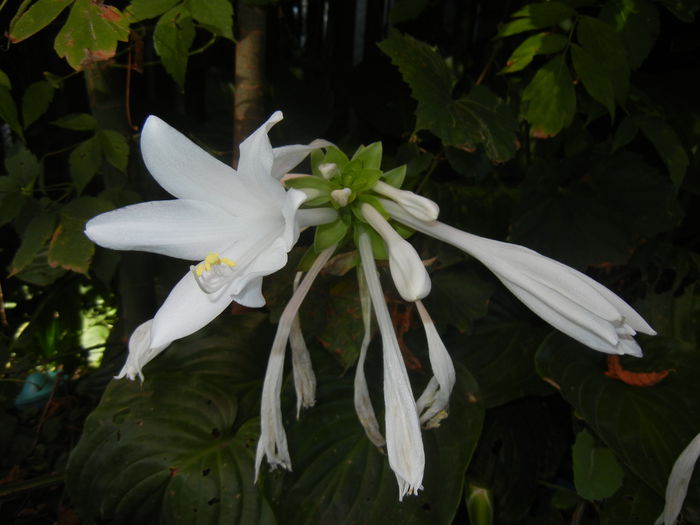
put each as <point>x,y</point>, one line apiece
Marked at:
<point>678,481</point>
<point>239,224</point>
<point>567,299</point>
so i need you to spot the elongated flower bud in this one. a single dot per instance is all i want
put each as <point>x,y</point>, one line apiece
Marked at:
<point>567,299</point>
<point>407,269</point>
<point>417,205</point>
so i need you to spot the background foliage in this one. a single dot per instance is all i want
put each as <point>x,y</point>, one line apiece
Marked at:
<point>569,126</point>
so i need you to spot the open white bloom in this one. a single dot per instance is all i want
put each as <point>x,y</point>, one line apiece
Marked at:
<point>567,299</point>
<point>677,487</point>
<point>239,225</point>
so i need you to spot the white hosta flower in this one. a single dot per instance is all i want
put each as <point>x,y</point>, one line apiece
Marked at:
<point>567,299</point>
<point>407,269</point>
<point>239,223</point>
<point>677,487</point>
<point>404,443</point>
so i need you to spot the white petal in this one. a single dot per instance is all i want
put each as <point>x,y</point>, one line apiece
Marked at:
<point>443,371</point>
<point>407,270</point>
<point>181,228</point>
<point>287,158</point>
<point>404,443</point>
<point>361,399</point>
<point>257,159</point>
<point>273,439</point>
<point>677,487</point>
<point>140,352</point>
<point>293,199</point>
<point>186,171</point>
<point>304,378</point>
<point>186,310</point>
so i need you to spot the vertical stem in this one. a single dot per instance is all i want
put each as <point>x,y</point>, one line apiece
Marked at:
<point>248,105</point>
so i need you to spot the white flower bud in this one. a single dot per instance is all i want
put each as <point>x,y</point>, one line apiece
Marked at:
<point>420,207</point>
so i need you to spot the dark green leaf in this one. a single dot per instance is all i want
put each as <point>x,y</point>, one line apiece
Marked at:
<point>91,33</point>
<point>36,101</point>
<point>539,44</point>
<point>607,49</point>
<point>594,79</point>
<point>633,504</point>
<point>425,71</point>
<point>84,161</point>
<point>40,14</point>
<point>537,16</point>
<point>550,99</point>
<point>215,15</point>
<point>34,238</point>
<point>647,427</point>
<point>667,145</point>
<point>141,9</point>
<point>172,38</point>
<point>583,216</point>
<point>115,148</point>
<point>180,447</point>
<point>70,248</point>
<point>500,351</point>
<point>8,111</point>
<point>637,21</point>
<point>625,133</point>
<point>11,205</point>
<point>597,474</point>
<point>521,445</point>
<point>479,118</point>
<point>22,166</point>
<point>76,121</point>
<point>340,477</point>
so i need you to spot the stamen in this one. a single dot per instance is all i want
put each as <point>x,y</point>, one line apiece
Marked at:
<point>213,273</point>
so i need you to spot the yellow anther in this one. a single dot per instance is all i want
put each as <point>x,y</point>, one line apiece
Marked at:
<point>211,260</point>
<point>227,262</point>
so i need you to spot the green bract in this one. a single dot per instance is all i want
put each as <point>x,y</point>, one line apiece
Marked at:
<point>346,184</point>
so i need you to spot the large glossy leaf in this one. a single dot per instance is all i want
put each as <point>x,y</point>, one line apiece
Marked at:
<point>539,44</point>
<point>646,427</point>
<point>340,477</point>
<point>179,448</point>
<point>537,16</point>
<point>583,215</point>
<point>499,351</point>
